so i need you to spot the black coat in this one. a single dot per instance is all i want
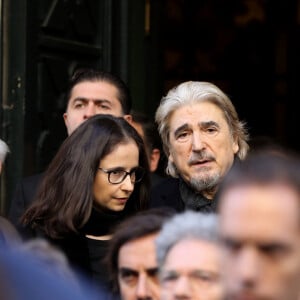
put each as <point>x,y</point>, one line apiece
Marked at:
<point>167,193</point>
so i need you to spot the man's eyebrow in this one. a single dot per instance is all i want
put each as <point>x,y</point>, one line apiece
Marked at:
<point>181,128</point>
<point>102,101</point>
<point>204,124</point>
<point>126,271</point>
<point>230,241</point>
<point>152,271</point>
<point>209,124</point>
<point>169,272</point>
<point>202,272</point>
<point>271,245</point>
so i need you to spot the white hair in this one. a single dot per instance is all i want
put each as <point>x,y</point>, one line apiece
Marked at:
<point>3,150</point>
<point>184,226</point>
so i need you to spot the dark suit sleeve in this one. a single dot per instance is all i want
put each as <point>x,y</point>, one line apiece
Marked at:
<point>17,206</point>
<point>23,197</point>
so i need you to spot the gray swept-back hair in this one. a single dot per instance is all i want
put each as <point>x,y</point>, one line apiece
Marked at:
<point>185,226</point>
<point>191,92</point>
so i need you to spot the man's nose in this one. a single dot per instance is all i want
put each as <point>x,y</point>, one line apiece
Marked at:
<point>142,290</point>
<point>198,141</point>
<point>248,268</point>
<point>182,288</point>
<point>90,110</point>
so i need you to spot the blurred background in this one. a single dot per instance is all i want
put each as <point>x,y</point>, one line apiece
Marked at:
<point>249,48</point>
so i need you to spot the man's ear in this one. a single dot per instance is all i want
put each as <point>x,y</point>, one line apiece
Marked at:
<point>235,146</point>
<point>65,116</point>
<point>170,157</point>
<point>154,159</point>
<point>128,118</point>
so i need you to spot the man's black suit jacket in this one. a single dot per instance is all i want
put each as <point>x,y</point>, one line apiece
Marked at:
<point>24,194</point>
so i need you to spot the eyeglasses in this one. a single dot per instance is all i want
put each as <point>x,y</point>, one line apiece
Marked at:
<point>116,176</point>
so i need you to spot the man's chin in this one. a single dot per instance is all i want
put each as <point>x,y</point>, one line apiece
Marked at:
<point>208,182</point>
<point>246,295</point>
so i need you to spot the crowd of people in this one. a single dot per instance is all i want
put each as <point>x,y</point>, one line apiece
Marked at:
<point>103,221</point>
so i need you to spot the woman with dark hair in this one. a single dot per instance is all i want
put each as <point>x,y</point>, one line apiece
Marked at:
<point>99,177</point>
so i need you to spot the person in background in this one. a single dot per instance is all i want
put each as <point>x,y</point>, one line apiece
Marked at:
<point>202,137</point>
<point>89,92</point>
<point>131,256</point>
<point>148,131</point>
<point>93,92</point>
<point>4,150</point>
<point>47,257</point>
<point>189,258</point>
<point>99,177</point>
<point>23,277</point>
<point>259,208</point>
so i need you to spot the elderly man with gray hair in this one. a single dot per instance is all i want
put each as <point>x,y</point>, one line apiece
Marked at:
<point>188,256</point>
<point>202,137</point>
<point>3,152</point>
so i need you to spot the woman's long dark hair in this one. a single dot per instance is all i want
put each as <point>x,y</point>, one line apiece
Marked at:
<point>65,197</point>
